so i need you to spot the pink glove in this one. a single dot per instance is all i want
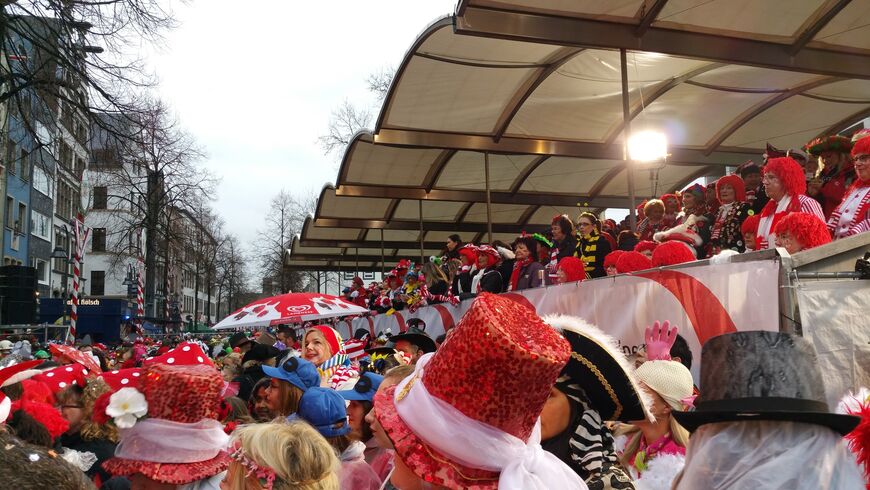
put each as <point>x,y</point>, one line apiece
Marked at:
<point>659,340</point>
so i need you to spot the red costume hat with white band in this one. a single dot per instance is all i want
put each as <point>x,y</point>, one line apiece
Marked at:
<point>469,416</point>
<point>7,373</point>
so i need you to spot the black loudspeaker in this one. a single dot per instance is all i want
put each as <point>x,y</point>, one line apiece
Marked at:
<point>18,293</point>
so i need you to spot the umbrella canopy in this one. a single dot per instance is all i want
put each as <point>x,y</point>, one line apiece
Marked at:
<point>72,354</point>
<point>289,308</point>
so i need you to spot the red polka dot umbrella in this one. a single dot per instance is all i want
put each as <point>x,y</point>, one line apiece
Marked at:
<point>66,354</point>
<point>289,308</point>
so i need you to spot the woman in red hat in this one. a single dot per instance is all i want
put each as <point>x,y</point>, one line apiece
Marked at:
<point>852,215</point>
<point>488,278</point>
<point>785,184</point>
<point>725,233</point>
<point>469,417</point>
<point>462,280</point>
<point>323,347</point>
<point>837,173</point>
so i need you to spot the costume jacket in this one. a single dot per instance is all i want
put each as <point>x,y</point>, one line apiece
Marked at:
<point>725,231</point>
<point>852,216</point>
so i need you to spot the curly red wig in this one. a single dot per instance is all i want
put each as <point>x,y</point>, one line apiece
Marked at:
<point>789,172</point>
<point>736,183</point>
<point>632,262</point>
<point>645,245</point>
<point>672,252</point>
<point>611,258</point>
<point>573,268</point>
<point>750,224</point>
<point>806,228</point>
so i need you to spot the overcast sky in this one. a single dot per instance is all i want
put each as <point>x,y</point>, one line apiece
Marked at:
<point>255,83</point>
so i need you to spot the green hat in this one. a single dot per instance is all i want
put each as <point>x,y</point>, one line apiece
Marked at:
<point>41,354</point>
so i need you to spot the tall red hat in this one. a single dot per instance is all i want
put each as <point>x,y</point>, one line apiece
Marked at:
<point>493,374</point>
<point>182,398</point>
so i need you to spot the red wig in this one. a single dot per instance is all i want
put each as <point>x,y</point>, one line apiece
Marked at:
<point>645,245</point>
<point>612,257</point>
<point>665,198</point>
<point>632,262</point>
<point>750,224</point>
<point>573,268</point>
<point>861,146</point>
<point>469,251</point>
<point>734,181</point>
<point>672,252</point>
<point>806,228</point>
<point>789,172</point>
<point>45,414</point>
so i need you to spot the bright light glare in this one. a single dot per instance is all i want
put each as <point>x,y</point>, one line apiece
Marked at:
<point>647,146</point>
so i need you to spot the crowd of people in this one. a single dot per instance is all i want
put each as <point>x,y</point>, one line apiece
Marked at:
<point>506,400</point>
<point>796,200</point>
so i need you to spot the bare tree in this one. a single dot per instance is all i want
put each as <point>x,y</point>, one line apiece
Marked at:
<point>284,220</point>
<point>84,54</point>
<point>233,276</point>
<point>344,122</point>
<point>380,81</point>
<point>153,175</point>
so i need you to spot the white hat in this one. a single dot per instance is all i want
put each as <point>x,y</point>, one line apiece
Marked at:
<point>5,345</point>
<point>670,379</point>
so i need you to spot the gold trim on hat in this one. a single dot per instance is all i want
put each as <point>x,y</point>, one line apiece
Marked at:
<point>601,379</point>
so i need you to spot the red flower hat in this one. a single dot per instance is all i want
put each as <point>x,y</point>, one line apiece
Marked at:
<point>63,376</point>
<point>496,368</point>
<point>184,394</point>
<point>123,378</point>
<point>185,354</point>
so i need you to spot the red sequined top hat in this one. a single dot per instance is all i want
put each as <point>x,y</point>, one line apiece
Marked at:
<point>496,367</point>
<point>177,393</point>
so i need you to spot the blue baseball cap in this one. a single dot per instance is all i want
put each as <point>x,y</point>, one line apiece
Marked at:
<point>364,389</point>
<point>323,408</point>
<point>296,371</point>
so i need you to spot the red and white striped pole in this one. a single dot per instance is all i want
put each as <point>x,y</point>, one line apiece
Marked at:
<point>81,234</point>
<point>140,282</point>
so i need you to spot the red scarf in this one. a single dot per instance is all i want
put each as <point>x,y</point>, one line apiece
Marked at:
<point>518,267</point>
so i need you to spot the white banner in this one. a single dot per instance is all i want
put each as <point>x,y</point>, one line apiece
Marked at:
<point>704,300</point>
<point>834,319</point>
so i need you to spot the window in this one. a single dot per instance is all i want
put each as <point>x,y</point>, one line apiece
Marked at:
<point>41,180</point>
<point>10,219</point>
<point>99,240</point>
<point>21,221</point>
<point>11,155</point>
<point>98,283</point>
<point>41,267</point>
<point>101,197</point>
<point>40,225</point>
<point>24,164</point>
<point>60,240</point>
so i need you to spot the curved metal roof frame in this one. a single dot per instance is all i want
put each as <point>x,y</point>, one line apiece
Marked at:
<point>434,49</point>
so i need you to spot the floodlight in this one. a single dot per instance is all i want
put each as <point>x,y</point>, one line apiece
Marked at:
<point>647,146</point>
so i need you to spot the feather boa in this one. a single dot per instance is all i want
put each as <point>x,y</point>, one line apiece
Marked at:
<point>859,439</point>
<point>660,472</point>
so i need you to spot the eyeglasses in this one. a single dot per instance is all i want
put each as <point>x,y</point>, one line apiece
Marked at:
<point>862,158</point>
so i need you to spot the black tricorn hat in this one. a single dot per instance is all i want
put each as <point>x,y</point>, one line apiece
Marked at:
<point>601,371</point>
<point>416,337</point>
<point>759,375</point>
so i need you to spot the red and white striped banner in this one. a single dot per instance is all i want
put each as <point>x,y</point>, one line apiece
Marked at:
<point>81,233</point>
<point>704,300</point>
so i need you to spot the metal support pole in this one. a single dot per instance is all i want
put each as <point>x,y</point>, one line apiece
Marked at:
<point>626,132</point>
<point>488,200</point>
<point>420,212</point>
<point>383,262</point>
<point>357,261</point>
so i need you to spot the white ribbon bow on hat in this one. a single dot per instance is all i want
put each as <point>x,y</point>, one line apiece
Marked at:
<point>523,466</point>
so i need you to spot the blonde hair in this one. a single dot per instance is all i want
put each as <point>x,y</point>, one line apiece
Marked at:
<point>678,433</point>
<point>91,430</point>
<point>288,398</point>
<point>433,274</point>
<point>300,457</point>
